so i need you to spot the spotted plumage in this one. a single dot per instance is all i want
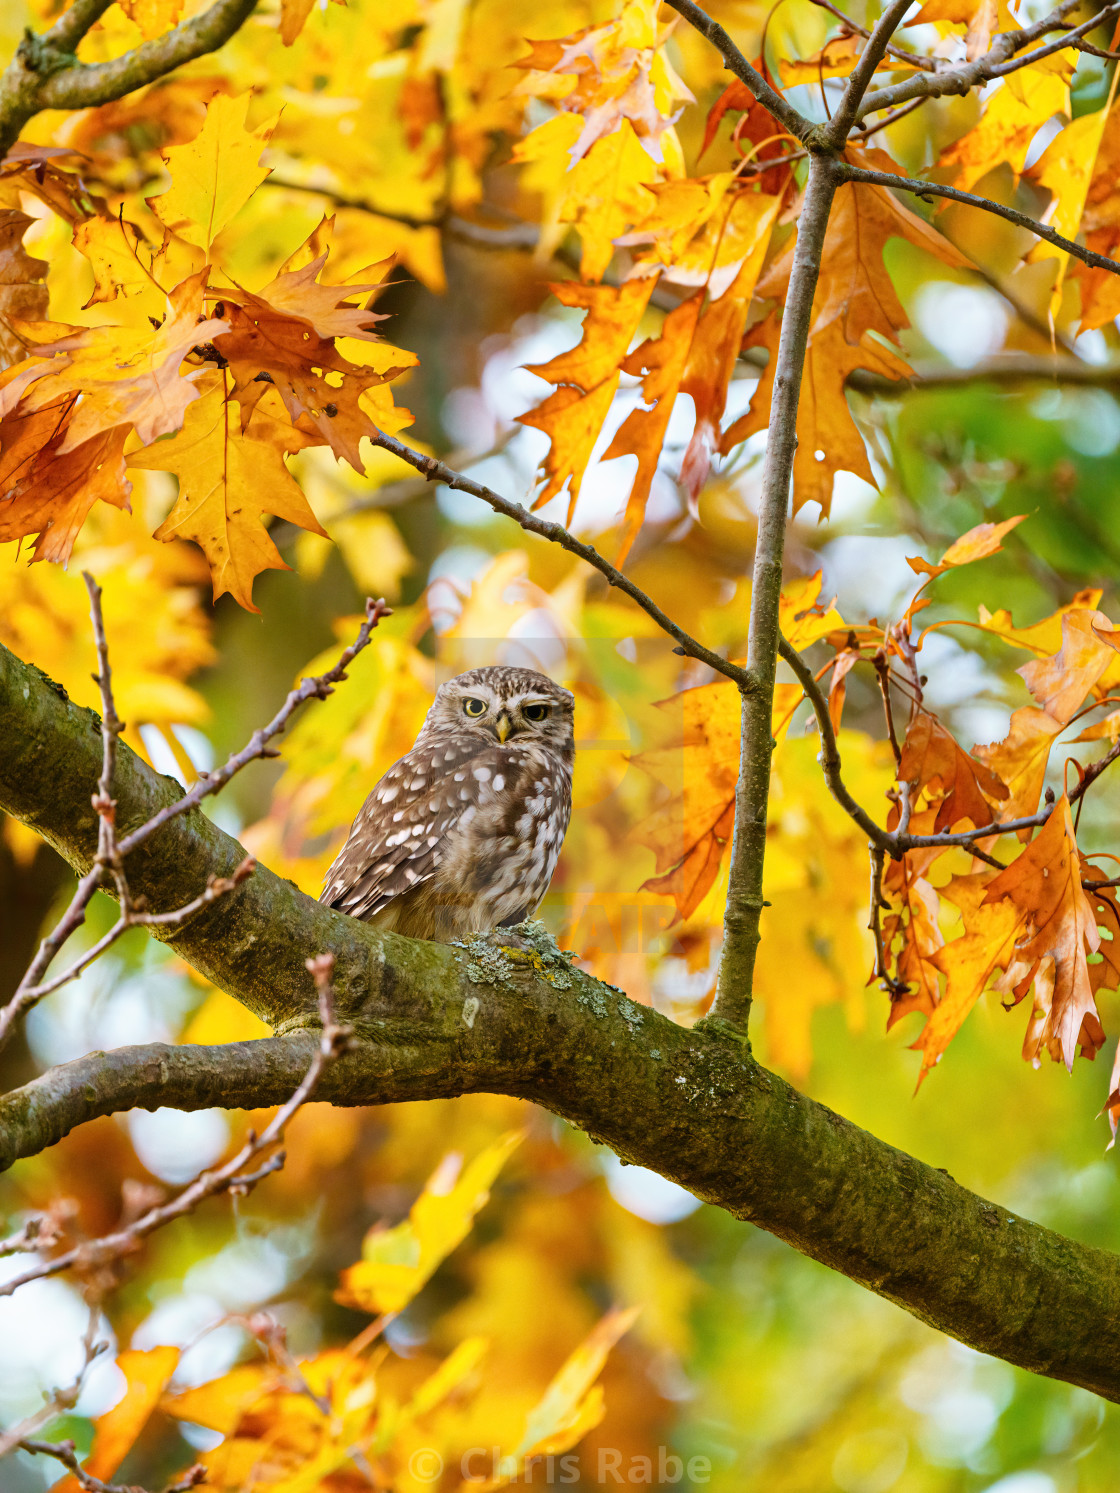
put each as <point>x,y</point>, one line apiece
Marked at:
<point>462,834</point>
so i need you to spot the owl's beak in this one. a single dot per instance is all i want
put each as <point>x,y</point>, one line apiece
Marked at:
<point>504,727</point>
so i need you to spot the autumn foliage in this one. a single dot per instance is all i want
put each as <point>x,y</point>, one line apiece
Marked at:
<point>227,294</point>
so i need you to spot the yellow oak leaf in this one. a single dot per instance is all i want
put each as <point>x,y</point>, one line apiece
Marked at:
<point>1065,169</point>
<point>827,438</point>
<point>968,962</point>
<point>977,544</point>
<point>934,764</point>
<point>1061,682</point>
<point>154,17</point>
<point>1011,119</point>
<point>1020,759</point>
<point>396,1262</point>
<point>124,375</point>
<point>571,1405</point>
<point>228,478</point>
<point>215,174</point>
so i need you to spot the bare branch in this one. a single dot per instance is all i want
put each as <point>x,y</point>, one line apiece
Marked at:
<point>1068,39</point>
<point>66,1453</point>
<point>60,1400</point>
<point>232,1176</point>
<point>926,64</point>
<point>318,687</point>
<point>111,852</point>
<point>1011,369</point>
<point>437,471</point>
<point>743,909</point>
<point>928,189</point>
<point>734,61</point>
<point>961,80</point>
<point>861,75</point>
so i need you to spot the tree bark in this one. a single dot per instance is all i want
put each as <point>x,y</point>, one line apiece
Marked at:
<point>437,1020</point>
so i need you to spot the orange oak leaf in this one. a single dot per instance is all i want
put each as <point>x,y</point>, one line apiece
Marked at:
<point>934,764</point>
<point>272,346</point>
<point>57,488</point>
<point>229,478</point>
<point>22,292</point>
<point>912,937</point>
<point>968,962</point>
<point>588,375</point>
<point>1020,759</point>
<point>827,438</point>
<point>613,314</point>
<point>661,362</point>
<point>977,544</point>
<point>146,1375</point>
<point>1061,682</point>
<point>1057,933</point>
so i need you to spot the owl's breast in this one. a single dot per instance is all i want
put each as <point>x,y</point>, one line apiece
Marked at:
<point>502,852</point>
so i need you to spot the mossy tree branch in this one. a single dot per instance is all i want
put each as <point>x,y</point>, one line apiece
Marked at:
<point>45,73</point>
<point>434,1020</point>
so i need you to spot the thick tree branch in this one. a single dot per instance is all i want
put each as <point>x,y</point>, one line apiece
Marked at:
<point>733,60</point>
<point>435,1020</point>
<point>44,73</point>
<point>928,189</point>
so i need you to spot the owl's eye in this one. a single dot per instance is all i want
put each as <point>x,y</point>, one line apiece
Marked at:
<point>474,707</point>
<point>534,712</point>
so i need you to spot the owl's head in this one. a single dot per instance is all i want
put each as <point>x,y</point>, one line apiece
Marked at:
<point>506,703</point>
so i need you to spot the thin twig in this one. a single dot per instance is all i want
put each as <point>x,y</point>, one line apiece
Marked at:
<point>232,1176</point>
<point>317,687</point>
<point>438,471</point>
<point>829,757</point>
<point>927,64</point>
<point>879,904</point>
<point>61,1400</point>
<point>860,77</point>
<point>882,669</point>
<point>926,189</point>
<point>962,79</point>
<point>66,1453</point>
<point>734,61</point>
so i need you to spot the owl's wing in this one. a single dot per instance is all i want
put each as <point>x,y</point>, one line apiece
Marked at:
<point>394,844</point>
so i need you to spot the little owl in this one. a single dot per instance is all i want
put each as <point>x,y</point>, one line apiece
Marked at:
<point>462,834</point>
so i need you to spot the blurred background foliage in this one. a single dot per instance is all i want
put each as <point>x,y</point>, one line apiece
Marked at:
<point>789,1378</point>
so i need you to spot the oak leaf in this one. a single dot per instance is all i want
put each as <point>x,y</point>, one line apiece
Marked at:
<point>934,764</point>
<point>146,1375</point>
<point>214,175</point>
<point>977,544</point>
<point>229,478</point>
<point>397,1262</point>
<point>23,295</point>
<point>968,962</point>
<point>1057,933</point>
